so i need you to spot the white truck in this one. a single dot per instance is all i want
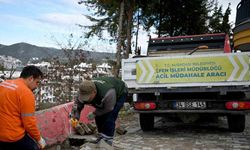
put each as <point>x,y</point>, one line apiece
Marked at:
<point>189,77</point>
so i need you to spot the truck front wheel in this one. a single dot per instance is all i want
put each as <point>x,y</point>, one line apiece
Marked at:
<point>236,123</point>
<point>146,122</point>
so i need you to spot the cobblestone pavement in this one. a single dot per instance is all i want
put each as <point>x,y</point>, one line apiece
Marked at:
<point>179,136</point>
<point>169,135</point>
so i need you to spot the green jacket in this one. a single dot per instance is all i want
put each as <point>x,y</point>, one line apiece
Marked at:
<point>109,90</point>
<point>104,84</point>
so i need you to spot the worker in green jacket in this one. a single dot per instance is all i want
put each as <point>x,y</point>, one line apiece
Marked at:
<point>107,95</point>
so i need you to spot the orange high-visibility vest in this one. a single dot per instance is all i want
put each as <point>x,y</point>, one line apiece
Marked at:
<point>17,111</point>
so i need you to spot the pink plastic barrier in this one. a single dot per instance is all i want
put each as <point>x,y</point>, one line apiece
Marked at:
<point>54,122</point>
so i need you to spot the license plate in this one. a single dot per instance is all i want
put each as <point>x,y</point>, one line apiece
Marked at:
<point>190,105</point>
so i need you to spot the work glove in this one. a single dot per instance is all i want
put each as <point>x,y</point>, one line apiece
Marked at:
<point>91,116</point>
<point>41,143</point>
<point>74,122</point>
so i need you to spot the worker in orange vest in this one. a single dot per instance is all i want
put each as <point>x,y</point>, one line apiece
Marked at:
<point>18,126</point>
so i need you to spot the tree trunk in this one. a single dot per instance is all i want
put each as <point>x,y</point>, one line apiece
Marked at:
<point>12,71</point>
<point>119,42</point>
<point>137,32</point>
<point>129,27</point>
<point>160,21</point>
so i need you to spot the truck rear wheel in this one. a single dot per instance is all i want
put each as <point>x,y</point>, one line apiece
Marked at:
<point>236,123</point>
<point>146,122</point>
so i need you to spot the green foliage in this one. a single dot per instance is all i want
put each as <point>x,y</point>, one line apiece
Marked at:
<point>169,18</point>
<point>105,17</point>
<point>1,68</point>
<point>216,19</point>
<point>226,26</point>
<point>219,21</point>
<point>175,17</point>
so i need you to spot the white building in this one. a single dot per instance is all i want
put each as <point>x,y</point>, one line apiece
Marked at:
<point>47,94</point>
<point>83,67</point>
<point>42,64</point>
<point>103,69</point>
<point>9,62</point>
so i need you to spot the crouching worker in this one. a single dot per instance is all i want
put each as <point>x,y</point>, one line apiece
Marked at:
<point>18,126</point>
<point>107,95</point>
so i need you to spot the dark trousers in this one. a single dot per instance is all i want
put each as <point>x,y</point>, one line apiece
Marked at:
<point>26,143</point>
<point>106,123</point>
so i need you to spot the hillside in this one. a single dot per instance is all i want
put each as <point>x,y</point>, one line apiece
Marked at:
<point>25,51</point>
<point>2,45</point>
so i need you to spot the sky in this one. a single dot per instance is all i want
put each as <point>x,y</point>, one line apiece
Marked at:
<point>48,22</point>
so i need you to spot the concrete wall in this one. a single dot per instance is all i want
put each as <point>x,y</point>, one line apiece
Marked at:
<point>54,122</point>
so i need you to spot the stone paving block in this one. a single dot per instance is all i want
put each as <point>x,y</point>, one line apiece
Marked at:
<point>225,138</point>
<point>137,146</point>
<point>240,142</point>
<point>125,144</point>
<point>132,140</point>
<point>120,146</point>
<point>146,148</point>
<point>211,142</point>
<point>241,146</point>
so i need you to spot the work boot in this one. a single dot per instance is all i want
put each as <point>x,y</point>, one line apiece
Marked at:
<point>107,139</point>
